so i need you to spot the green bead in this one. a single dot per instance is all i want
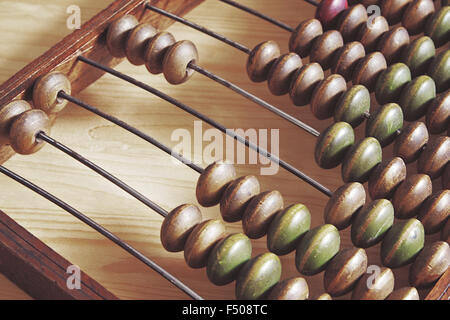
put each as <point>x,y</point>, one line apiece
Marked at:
<point>384,123</point>
<point>372,222</point>
<point>416,97</point>
<point>438,27</point>
<point>391,81</point>
<point>258,276</point>
<point>402,243</point>
<point>440,71</point>
<point>316,249</point>
<point>352,105</point>
<point>288,226</point>
<point>419,54</point>
<point>360,160</point>
<point>333,144</point>
<point>227,257</point>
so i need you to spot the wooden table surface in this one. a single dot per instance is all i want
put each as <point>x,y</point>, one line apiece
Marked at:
<point>29,27</point>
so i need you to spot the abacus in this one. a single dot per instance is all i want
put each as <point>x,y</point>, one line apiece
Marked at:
<point>400,224</point>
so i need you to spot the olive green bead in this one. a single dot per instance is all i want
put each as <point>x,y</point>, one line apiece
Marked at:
<point>419,54</point>
<point>333,144</point>
<point>438,26</point>
<point>402,243</point>
<point>227,258</point>
<point>360,160</point>
<point>372,222</point>
<point>290,289</point>
<point>384,123</point>
<point>352,105</point>
<point>439,70</point>
<point>316,249</point>
<point>288,226</point>
<point>258,276</point>
<point>416,96</point>
<point>391,82</point>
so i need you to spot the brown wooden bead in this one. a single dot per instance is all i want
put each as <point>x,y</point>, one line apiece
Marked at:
<point>368,69</point>
<point>430,264</point>
<point>281,72</point>
<point>137,42</point>
<point>351,20</point>
<point>435,157</point>
<point>392,44</point>
<point>117,35</point>
<point>435,211</point>
<point>46,89</point>
<point>8,114</point>
<point>406,293</point>
<point>445,233</point>
<point>325,46</point>
<point>410,142</point>
<point>370,32</point>
<point>324,296</point>
<point>446,177</point>
<point>237,196</point>
<point>211,184</point>
<point>260,60</point>
<point>304,82</point>
<point>410,195</point>
<point>416,15</point>
<point>378,287</point>
<point>201,241</point>
<point>326,95</point>
<point>290,289</point>
<point>386,177</point>
<point>438,114</point>
<point>178,225</point>
<point>393,9</point>
<point>156,50</point>
<point>303,36</point>
<point>24,129</point>
<point>346,59</point>
<point>260,212</point>
<point>176,61</point>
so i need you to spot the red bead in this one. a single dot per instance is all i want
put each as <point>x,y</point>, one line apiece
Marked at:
<point>328,10</point>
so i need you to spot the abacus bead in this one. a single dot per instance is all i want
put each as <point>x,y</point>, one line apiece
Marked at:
<point>438,27</point>
<point>384,123</point>
<point>156,50</point>
<point>303,36</point>
<point>446,177</point>
<point>46,89</point>
<point>324,296</point>
<point>391,82</point>
<point>360,160</point>
<point>386,177</point>
<point>392,43</point>
<point>371,223</point>
<point>419,54</point>
<point>304,82</point>
<point>324,47</point>
<point>178,225</point>
<point>402,243</point>
<point>416,15</point>
<point>25,127</point>
<point>368,69</point>
<point>201,241</point>
<point>393,9</point>
<point>435,211</point>
<point>445,233</point>
<point>410,195</point>
<point>430,264</point>
<point>117,35</point>
<point>346,58</point>
<point>410,142</point>
<point>333,144</point>
<point>227,258</point>
<point>258,276</point>
<point>352,105</point>
<point>416,97</point>
<point>382,285</point>
<point>281,72</point>
<point>212,183</point>
<point>439,70</point>
<point>237,196</point>
<point>438,114</point>
<point>435,157</point>
<point>260,212</point>
<point>288,226</point>
<point>326,94</point>
<point>344,270</point>
<point>137,42</point>
<point>344,204</point>
<point>8,113</point>
<point>316,249</point>
<point>370,32</point>
<point>351,20</point>
<point>176,61</point>
<point>290,289</point>
<point>406,293</point>
<point>328,10</point>
<point>260,60</point>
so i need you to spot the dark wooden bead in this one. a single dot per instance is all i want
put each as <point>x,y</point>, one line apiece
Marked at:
<point>430,264</point>
<point>290,289</point>
<point>328,10</point>
<point>351,20</point>
<point>178,225</point>
<point>344,270</point>
<point>237,196</point>
<point>137,43</point>
<point>156,50</point>
<point>392,44</point>
<point>304,82</point>
<point>445,233</point>
<point>326,95</point>
<point>227,258</point>
<point>260,212</point>
<point>303,37</point>
<point>381,285</point>
<point>438,27</point>
<point>260,60</point>
<point>352,105</point>
<point>201,241</point>
<point>46,89</point>
<point>406,293</point>
<point>117,35</point>
<point>416,15</point>
<point>446,177</point>
<point>438,114</point>
<point>386,177</point>
<point>410,142</point>
<point>370,32</point>
<point>346,59</point>
<point>391,82</point>
<point>417,96</point>
<point>439,70</point>
<point>176,61</point>
<point>324,47</point>
<point>281,73</point>
<point>345,202</point>
<point>435,211</point>
<point>384,123</point>
<point>258,276</point>
<point>393,9</point>
<point>8,113</point>
<point>419,54</point>
<point>368,69</point>
<point>361,159</point>
<point>410,195</point>
<point>435,157</point>
<point>324,296</point>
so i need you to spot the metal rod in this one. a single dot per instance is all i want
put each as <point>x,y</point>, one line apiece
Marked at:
<point>313,2</point>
